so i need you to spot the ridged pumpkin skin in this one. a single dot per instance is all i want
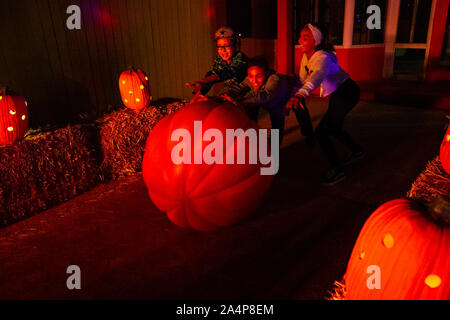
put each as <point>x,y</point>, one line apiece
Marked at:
<point>202,196</point>
<point>13,117</point>
<point>410,249</point>
<point>135,89</point>
<point>444,154</point>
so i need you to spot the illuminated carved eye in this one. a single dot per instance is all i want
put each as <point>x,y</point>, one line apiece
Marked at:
<point>13,112</point>
<point>142,87</point>
<point>123,82</point>
<point>433,281</point>
<point>388,241</point>
<point>126,101</point>
<point>10,129</point>
<point>137,99</point>
<point>23,117</point>
<point>447,137</point>
<point>146,78</point>
<point>26,104</point>
<point>131,92</point>
<point>1,97</point>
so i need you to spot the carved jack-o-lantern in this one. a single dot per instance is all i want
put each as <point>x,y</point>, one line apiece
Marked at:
<point>13,115</point>
<point>135,88</point>
<point>444,154</point>
<point>406,247</point>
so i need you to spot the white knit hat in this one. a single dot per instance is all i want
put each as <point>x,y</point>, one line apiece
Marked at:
<point>317,34</point>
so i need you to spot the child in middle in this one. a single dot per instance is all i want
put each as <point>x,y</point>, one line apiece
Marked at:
<point>262,87</point>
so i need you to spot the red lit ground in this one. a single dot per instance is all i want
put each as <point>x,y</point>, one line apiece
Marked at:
<point>294,248</point>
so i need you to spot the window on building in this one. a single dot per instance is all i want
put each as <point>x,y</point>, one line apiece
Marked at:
<point>408,61</point>
<point>329,13</point>
<point>362,34</point>
<point>253,18</point>
<point>413,21</point>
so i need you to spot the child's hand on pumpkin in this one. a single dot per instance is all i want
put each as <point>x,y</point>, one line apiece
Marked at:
<point>195,85</point>
<point>228,98</point>
<point>198,98</point>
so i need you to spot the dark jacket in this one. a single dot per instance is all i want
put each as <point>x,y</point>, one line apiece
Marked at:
<point>272,95</point>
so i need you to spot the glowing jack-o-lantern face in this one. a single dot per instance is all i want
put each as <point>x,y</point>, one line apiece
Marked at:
<point>135,88</point>
<point>444,153</point>
<point>14,117</point>
<point>408,246</point>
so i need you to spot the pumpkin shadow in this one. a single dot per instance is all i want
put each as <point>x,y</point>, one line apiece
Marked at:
<point>297,180</point>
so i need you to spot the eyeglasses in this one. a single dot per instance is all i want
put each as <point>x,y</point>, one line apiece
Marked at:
<point>223,48</point>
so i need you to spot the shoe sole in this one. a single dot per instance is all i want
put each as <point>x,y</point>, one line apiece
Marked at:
<point>354,160</point>
<point>333,182</point>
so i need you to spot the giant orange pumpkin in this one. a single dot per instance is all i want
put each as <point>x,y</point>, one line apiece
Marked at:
<point>411,250</point>
<point>135,88</point>
<point>202,196</point>
<point>444,154</point>
<point>14,116</point>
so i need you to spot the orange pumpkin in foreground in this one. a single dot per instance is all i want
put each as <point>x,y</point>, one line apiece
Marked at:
<point>13,115</point>
<point>411,250</point>
<point>135,89</point>
<point>444,153</point>
<point>202,196</point>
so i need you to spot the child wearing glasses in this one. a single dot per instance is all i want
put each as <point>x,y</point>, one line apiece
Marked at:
<point>319,68</point>
<point>230,65</point>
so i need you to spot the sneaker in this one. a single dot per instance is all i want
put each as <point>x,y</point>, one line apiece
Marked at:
<point>333,176</point>
<point>353,157</point>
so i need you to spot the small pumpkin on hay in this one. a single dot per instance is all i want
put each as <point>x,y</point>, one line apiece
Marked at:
<point>13,115</point>
<point>134,88</point>
<point>444,153</point>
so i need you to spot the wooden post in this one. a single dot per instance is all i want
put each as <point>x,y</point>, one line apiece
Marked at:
<point>284,51</point>
<point>390,36</point>
<point>436,32</point>
<point>349,17</point>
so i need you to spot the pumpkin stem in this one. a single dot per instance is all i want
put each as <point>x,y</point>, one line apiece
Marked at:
<point>439,209</point>
<point>132,69</point>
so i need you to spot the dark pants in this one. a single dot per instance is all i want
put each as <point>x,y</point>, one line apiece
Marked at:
<point>342,101</point>
<point>304,121</point>
<point>276,119</point>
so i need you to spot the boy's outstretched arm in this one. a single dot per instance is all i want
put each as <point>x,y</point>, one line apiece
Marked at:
<point>198,84</point>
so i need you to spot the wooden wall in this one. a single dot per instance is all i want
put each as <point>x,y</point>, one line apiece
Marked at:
<point>64,72</point>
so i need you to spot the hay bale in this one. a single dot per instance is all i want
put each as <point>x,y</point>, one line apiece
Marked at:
<point>123,135</point>
<point>46,169</point>
<point>431,182</point>
<point>339,291</point>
